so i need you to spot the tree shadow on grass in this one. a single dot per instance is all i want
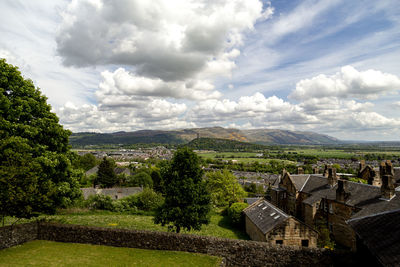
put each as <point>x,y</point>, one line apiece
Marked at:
<point>224,222</point>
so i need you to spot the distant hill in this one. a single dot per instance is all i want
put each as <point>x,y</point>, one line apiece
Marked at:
<point>182,136</point>
<point>205,143</point>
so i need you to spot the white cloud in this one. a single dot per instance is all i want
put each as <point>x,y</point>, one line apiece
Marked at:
<point>171,40</point>
<point>124,84</point>
<point>347,83</point>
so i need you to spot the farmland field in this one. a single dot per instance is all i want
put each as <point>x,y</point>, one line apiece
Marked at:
<point>47,253</point>
<point>245,157</point>
<point>321,152</point>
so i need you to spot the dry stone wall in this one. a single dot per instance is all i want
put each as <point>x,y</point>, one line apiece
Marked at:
<point>234,252</point>
<point>17,234</point>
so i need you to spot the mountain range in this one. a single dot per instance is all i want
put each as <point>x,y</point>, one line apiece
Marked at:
<point>182,136</point>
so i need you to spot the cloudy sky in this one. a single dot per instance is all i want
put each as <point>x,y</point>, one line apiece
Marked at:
<point>329,66</point>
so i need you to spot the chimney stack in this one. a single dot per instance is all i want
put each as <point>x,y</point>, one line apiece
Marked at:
<point>326,170</point>
<point>387,188</point>
<point>332,178</point>
<point>341,194</point>
<point>300,170</point>
<point>361,167</point>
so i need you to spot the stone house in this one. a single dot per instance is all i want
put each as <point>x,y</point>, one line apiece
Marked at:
<point>327,199</point>
<point>267,223</point>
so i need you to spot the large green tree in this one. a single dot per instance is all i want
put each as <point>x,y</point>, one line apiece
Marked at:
<point>35,167</point>
<point>187,201</point>
<point>106,176</point>
<point>224,188</point>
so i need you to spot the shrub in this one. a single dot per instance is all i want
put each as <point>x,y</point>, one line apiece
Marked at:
<point>149,200</point>
<point>99,202</point>
<point>123,205</point>
<point>235,213</point>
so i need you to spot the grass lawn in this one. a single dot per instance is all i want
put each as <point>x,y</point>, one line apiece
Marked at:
<point>218,227</point>
<point>47,253</point>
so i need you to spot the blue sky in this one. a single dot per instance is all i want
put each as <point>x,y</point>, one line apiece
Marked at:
<point>331,67</point>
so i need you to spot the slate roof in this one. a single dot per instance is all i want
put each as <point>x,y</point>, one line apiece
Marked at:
<point>265,215</point>
<point>299,180</point>
<point>92,170</point>
<point>119,170</point>
<point>380,233</point>
<point>251,200</point>
<point>366,197</point>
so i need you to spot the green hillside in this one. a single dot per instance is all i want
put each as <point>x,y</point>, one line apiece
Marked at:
<point>183,136</point>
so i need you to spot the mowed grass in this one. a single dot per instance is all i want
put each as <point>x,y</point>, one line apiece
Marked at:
<point>47,253</point>
<point>219,225</point>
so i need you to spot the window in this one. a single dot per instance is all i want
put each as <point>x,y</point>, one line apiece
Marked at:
<point>317,205</point>
<point>304,243</point>
<point>116,196</point>
<point>279,242</point>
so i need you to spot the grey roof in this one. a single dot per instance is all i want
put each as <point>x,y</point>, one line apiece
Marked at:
<point>363,196</point>
<point>377,205</point>
<point>265,215</point>
<point>119,170</point>
<point>92,170</point>
<point>299,180</point>
<point>381,234</point>
<point>120,191</point>
<point>251,200</point>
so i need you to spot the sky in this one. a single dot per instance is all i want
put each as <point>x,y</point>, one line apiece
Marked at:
<point>331,67</point>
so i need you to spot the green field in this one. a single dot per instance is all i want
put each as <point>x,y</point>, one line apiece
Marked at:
<point>244,157</point>
<point>218,227</point>
<point>247,157</point>
<point>46,253</point>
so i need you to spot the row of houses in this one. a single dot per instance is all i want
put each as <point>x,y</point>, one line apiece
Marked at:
<point>299,202</point>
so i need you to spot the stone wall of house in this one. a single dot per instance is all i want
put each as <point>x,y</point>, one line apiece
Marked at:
<point>253,231</point>
<point>292,233</point>
<point>235,252</point>
<point>309,214</point>
<point>17,234</point>
<point>342,232</point>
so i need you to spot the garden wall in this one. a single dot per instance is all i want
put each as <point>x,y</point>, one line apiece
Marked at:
<point>235,252</point>
<point>17,234</point>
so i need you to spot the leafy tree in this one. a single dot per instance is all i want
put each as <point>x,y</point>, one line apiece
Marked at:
<point>235,213</point>
<point>35,159</point>
<point>224,188</point>
<point>87,161</point>
<point>106,176</point>
<point>157,180</point>
<point>187,201</point>
<point>140,179</point>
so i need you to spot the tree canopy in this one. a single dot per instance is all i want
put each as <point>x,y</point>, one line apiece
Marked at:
<point>224,188</point>
<point>35,166</point>
<point>106,176</point>
<point>187,201</point>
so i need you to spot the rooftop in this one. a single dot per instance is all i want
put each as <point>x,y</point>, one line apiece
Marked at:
<point>265,215</point>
